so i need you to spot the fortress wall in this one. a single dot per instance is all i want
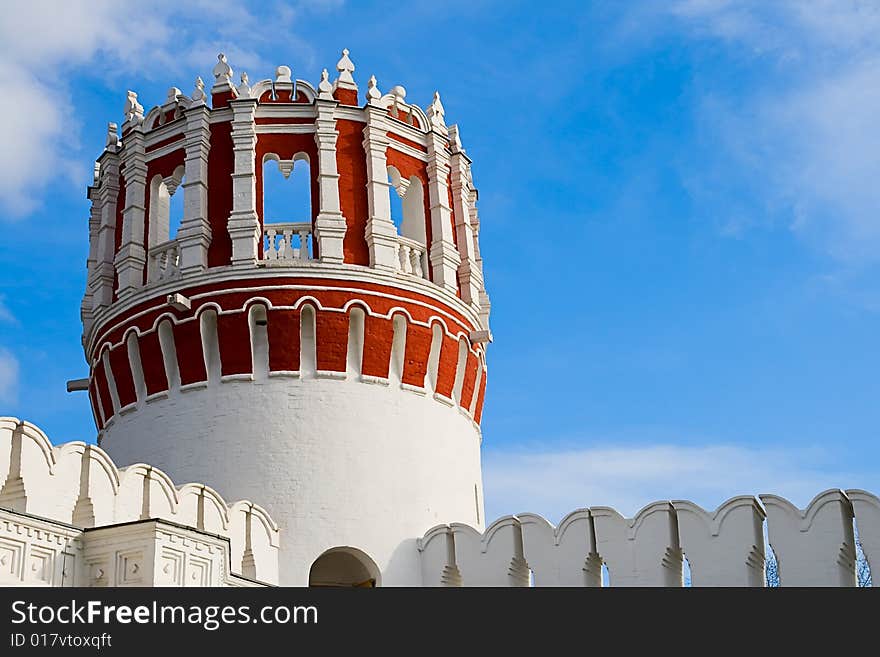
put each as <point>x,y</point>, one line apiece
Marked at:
<point>814,546</point>
<point>78,485</point>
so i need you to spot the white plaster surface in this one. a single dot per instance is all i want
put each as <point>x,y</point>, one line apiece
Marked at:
<point>335,462</point>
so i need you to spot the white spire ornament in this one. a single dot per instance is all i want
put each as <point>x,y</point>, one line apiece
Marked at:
<point>282,74</point>
<point>112,136</point>
<point>373,93</point>
<point>244,89</point>
<point>133,110</point>
<point>222,70</point>
<point>325,89</point>
<point>455,139</point>
<point>198,94</point>
<point>436,113</point>
<point>345,68</point>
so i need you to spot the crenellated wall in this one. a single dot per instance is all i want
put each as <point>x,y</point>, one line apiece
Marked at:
<point>725,547</point>
<point>73,496</point>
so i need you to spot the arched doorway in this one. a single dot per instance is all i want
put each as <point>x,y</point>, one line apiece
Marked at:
<point>344,567</point>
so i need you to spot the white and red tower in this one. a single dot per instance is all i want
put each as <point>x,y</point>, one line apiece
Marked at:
<point>332,369</point>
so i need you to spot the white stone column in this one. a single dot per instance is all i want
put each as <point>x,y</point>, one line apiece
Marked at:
<point>244,224</point>
<point>194,235</point>
<point>470,277</point>
<point>132,256</point>
<point>330,223</point>
<point>101,281</point>
<point>381,233</point>
<point>444,255</point>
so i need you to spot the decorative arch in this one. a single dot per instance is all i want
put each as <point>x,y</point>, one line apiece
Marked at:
<point>344,567</point>
<point>412,222</point>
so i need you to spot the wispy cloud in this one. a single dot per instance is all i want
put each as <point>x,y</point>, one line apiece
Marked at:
<point>45,44</point>
<point>802,136</point>
<point>6,315</point>
<point>556,482</point>
<point>8,377</point>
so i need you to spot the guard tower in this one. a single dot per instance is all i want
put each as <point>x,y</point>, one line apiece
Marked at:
<point>330,362</point>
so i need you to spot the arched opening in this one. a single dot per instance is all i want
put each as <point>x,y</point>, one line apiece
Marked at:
<point>287,207</point>
<point>344,567</point>
<point>166,215</point>
<point>407,205</point>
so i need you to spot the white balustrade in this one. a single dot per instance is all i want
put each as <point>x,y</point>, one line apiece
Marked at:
<point>412,257</point>
<point>286,242</point>
<point>164,261</point>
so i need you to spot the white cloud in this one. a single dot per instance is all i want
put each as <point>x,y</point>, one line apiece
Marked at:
<point>44,44</point>
<point>803,139</point>
<point>554,483</point>
<point>8,377</point>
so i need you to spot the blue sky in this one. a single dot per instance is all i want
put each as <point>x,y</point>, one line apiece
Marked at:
<point>678,207</point>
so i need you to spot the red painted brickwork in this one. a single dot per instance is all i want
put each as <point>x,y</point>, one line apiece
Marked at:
<point>145,314</point>
<point>188,345</point>
<point>100,377</point>
<point>122,375</point>
<point>346,96</point>
<point>281,96</point>
<point>447,366</point>
<point>221,99</point>
<point>408,142</point>
<point>220,168</point>
<point>234,337</point>
<point>284,332</point>
<point>351,163</point>
<point>378,339</point>
<point>93,401</point>
<point>331,337</point>
<point>418,348</point>
<point>478,411</point>
<point>470,380</point>
<point>152,363</point>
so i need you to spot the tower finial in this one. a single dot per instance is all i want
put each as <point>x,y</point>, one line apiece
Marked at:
<point>398,91</point>
<point>325,89</point>
<point>455,139</point>
<point>222,70</point>
<point>436,113</point>
<point>198,95</point>
<point>373,93</point>
<point>345,68</point>
<point>282,74</point>
<point>244,89</point>
<point>112,136</point>
<point>133,110</point>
